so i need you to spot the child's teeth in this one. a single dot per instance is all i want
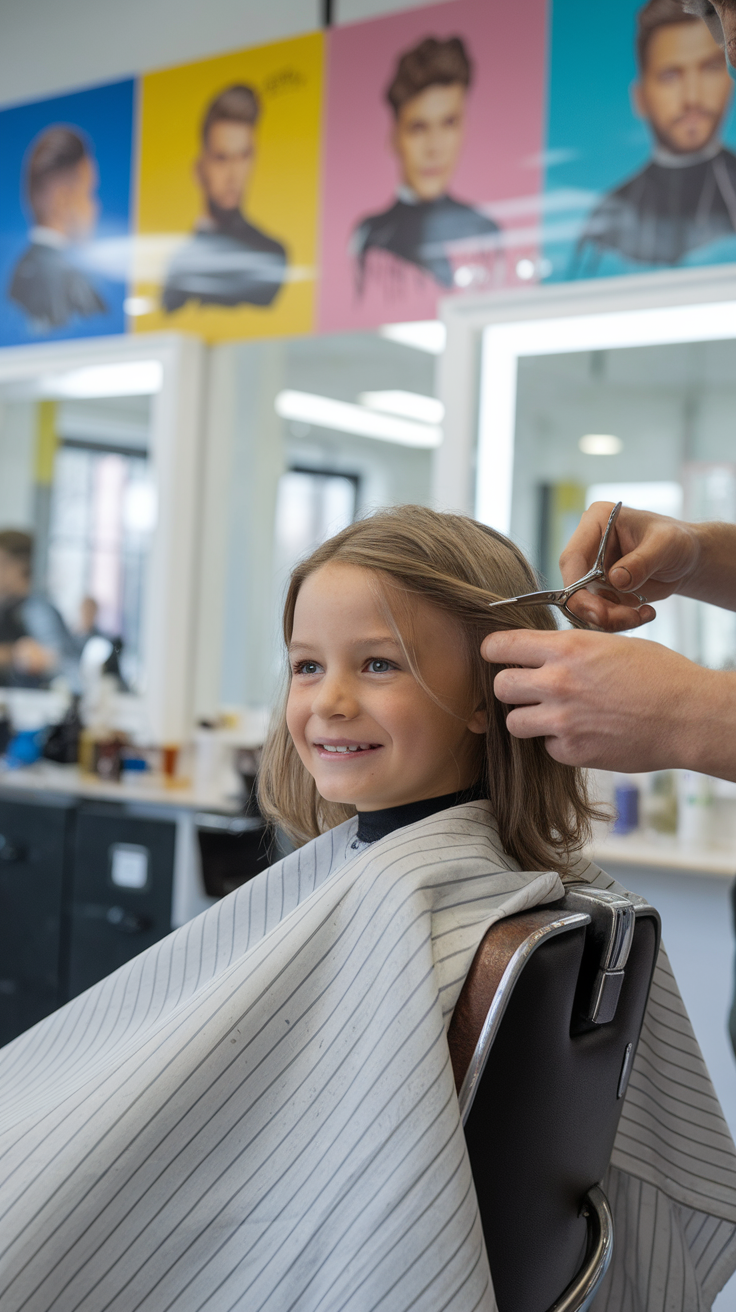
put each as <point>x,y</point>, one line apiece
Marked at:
<point>359,747</point>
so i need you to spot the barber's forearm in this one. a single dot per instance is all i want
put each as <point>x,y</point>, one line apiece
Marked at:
<point>703,730</point>
<point>714,579</point>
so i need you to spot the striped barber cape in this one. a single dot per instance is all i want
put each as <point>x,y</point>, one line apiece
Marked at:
<point>259,1111</point>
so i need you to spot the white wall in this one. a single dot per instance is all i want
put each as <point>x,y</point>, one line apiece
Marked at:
<point>49,46</point>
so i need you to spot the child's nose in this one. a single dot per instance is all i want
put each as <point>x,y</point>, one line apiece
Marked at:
<point>335,695</point>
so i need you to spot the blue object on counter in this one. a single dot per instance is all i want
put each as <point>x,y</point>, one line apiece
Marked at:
<point>626,801</point>
<point>25,748</point>
<point>134,764</point>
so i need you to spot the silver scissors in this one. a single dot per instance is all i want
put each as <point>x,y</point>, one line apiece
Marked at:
<point>560,596</point>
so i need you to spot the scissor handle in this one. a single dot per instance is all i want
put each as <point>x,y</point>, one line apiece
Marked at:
<point>600,560</point>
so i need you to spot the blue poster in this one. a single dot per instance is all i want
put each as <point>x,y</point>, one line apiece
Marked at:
<point>65,221</point>
<point>641,162</point>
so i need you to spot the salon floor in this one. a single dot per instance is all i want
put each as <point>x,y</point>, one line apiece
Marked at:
<point>698,934</point>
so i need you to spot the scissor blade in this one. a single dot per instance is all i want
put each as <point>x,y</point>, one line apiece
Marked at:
<point>547,598</point>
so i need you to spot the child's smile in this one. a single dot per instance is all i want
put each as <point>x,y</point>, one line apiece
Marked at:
<point>364,727</point>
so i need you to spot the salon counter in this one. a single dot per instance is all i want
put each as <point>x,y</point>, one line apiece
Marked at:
<point>69,780</point>
<point>661,853</point>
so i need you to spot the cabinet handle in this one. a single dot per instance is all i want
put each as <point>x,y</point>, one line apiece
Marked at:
<point>127,922</point>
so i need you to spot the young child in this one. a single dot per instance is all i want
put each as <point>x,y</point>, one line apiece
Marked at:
<point>259,1111</point>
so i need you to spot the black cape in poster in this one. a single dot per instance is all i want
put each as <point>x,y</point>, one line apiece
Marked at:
<point>662,213</point>
<point>50,290</point>
<point>231,263</point>
<point>421,234</point>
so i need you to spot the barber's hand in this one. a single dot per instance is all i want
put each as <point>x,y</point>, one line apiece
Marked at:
<point>647,553</point>
<point>598,700</point>
<point>31,658</point>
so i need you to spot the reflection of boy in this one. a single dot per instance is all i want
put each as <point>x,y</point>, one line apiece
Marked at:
<point>686,197</point>
<point>425,226</point>
<point>60,182</point>
<point>228,260</point>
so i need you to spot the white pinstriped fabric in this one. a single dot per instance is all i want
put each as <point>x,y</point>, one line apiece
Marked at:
<point>259,1111</point>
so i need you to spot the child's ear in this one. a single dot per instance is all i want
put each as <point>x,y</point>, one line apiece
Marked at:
<point>478,722</point>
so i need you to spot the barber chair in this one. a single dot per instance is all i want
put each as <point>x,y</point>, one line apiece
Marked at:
<point>542,1041</point>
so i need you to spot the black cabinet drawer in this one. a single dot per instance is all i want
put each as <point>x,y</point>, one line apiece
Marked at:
<point>34,850</point>
<point>121,890</point>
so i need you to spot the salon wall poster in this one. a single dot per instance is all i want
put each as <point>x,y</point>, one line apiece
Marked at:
<point>65,220</point>
<point>349,178</point>
<point>229,167</point>
<point>641,141</point>
<point>433,154</point>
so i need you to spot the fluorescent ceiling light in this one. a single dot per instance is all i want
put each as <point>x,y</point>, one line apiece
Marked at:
<point>424,334</point>
<point>129,378</point>
<point>325,412</point>
<point>600,444</point>
<point>410,405</point>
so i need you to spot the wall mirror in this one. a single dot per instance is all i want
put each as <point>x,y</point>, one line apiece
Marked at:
<point>580,395</point>
<point>100,447</point>
<point>302,435</point>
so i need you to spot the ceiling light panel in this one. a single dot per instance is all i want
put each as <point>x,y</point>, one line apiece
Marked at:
<point>325,412</point>
<point>423,334</point>
<point>129,378</point>
<point>410,405</point>
<point>600,444</point>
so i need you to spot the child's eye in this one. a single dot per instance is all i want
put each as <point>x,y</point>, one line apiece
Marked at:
<point>307,667</point>
<point>379,666</point>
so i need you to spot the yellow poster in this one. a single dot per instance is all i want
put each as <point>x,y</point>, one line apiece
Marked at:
<point>228,189</point>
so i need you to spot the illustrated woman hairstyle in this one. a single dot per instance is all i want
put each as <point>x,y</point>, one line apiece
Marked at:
<point>541,806</point>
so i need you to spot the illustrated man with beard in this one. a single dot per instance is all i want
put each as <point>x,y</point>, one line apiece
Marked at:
<point>47,282</point>
<point>228,261</point>
<point>684,200</point>
<point>426,227</point>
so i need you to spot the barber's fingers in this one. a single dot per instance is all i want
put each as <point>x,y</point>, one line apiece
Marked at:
<point>664,555</point>
<point>522,646</point>
<point>520,687</point>
<point>611,616</point>
<point>531,722</point>
<point>647,552</point>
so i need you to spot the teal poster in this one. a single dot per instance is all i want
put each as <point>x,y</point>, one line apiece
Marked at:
<point>641,151</point>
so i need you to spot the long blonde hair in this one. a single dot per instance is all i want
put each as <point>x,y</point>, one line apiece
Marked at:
<point>458,565</point>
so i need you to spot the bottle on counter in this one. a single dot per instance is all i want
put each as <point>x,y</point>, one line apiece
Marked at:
<point>694,810</point>
<point>626,803</point>
<point>6,728</point>
<point>62,742</point>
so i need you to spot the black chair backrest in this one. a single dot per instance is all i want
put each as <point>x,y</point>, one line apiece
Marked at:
<point>542,1099</point>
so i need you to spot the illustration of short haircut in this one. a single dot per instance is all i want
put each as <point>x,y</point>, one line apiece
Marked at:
<point>236,104</point>
<point>56,153</point>
<point>432,63</point>
<point>656,14</point>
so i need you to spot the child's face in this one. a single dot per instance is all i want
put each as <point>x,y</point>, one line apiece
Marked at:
<point>351,688</point>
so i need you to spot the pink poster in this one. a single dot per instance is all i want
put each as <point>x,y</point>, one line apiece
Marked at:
<point>433,159</point>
